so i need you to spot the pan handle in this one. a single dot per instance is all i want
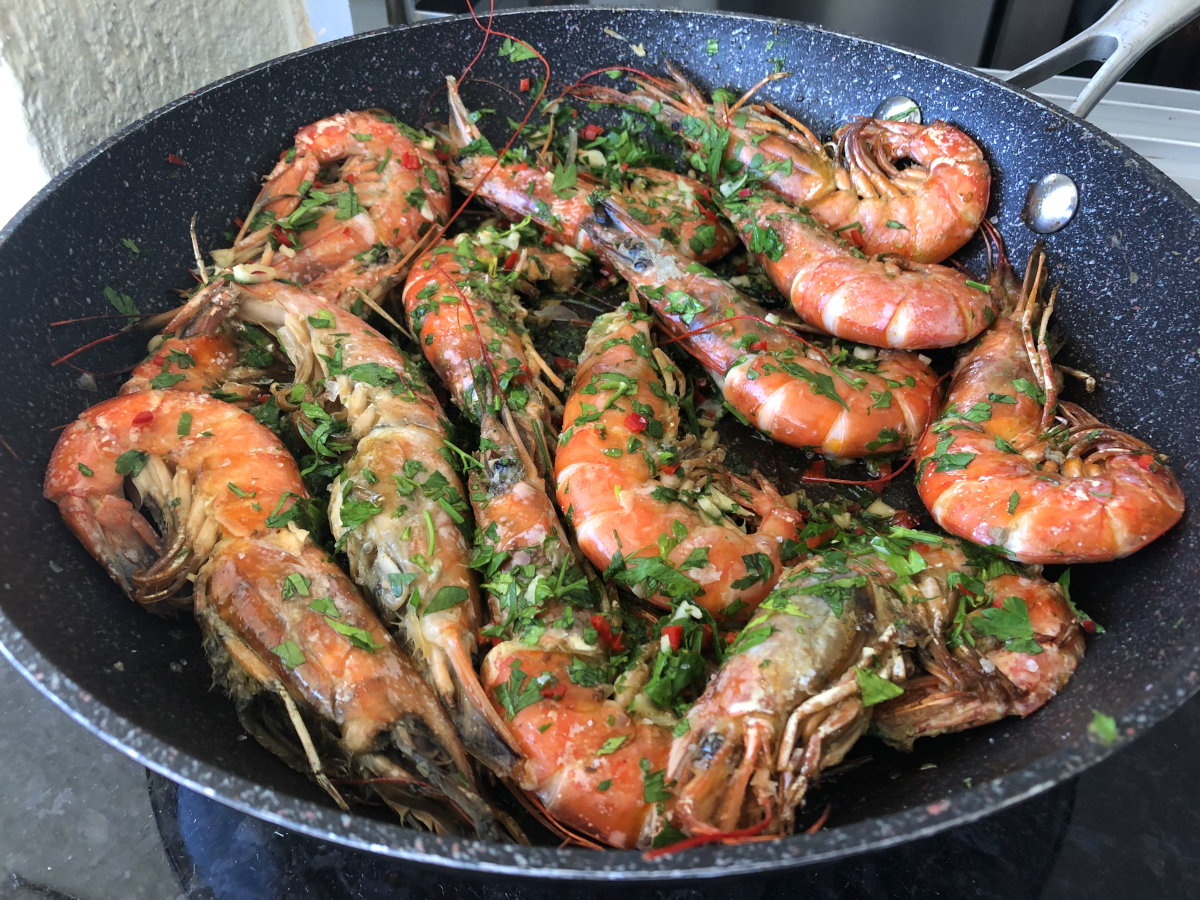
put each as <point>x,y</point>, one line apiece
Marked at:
<point>1119,39</point>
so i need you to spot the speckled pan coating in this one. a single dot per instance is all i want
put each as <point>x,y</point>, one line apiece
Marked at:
<point>1130,262</point>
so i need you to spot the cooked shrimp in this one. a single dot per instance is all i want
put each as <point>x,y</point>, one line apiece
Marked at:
<point>883,301</point>
<point>283,624</point>
<point>468,318</point>
<point>176,448</point>
<point>592,766</point>
<point>649,509</point>
<point>868,403</point>
<point>987,677</point>
<point>204,363</point>
<point>924,211</point>
<point>1008,465</point>
<point>675,207</point>
<point>786,701</point>
<point>397,507</point>
<point>353,233</point>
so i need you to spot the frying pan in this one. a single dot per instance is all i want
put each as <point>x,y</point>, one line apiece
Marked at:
<point>1129,263</point>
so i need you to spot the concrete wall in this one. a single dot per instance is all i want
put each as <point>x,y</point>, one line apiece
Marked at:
<point>87,68</point>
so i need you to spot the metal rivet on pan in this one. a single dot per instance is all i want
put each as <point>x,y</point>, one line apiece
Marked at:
<point>898,108</point>
<point>1050,204</point>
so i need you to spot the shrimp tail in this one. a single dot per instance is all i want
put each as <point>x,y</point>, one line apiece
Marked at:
<point>484,733</point>
<point>115,533</point>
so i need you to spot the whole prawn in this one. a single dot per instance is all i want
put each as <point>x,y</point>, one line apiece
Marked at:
<point>1009,465</point>
<point>464,309</point>
<point>673,206</point>
<point>781,384</point>
<point>924,211</point>
<point>397,506</point>
<point>353,233</point>
<point>651,510</point>
<point>884,301</point>
<point>287,633</point>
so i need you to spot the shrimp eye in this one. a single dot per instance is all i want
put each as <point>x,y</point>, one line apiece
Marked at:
<point>710,745</point>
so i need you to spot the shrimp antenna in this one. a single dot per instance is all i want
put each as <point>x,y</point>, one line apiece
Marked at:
<point>774,76</point>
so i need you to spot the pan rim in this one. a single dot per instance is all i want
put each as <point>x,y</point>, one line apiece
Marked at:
<point>572,864</point>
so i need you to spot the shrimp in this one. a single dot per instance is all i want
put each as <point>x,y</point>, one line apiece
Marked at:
<point>676,207</point>
<point>1009,466</point>
<point>204,363</point>
<point>591,764</point>
<point>924,212</point>
<point>468,320</point>
<point>791,674</point>
<point>175,447</point>
<point>884,301</point>
<point>217,484</point>
<point>1025,642</point>
<point>397,506</point>
<point>353,233</point>
<point>868,403</point>
<point>651,510</point>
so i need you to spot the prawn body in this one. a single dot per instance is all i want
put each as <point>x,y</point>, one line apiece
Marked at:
<point>282,624</point>
<point>1006,465</point>
<point>673,206</point>
<point>882,301</point>
<point>924,211</point>
<point>779,383</point>
<point>469,321</point>
<point>353,233</point>
<point>627,509</point>
<point>397,506</point>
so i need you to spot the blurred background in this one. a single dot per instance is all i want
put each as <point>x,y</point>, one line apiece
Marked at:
<point>74,72</point>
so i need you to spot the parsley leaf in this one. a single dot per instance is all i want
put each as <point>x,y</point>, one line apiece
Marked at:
<point>131,462</point>
<point>1010,623</point>
<point>1103,728</point>
<point>759,568</point>
<point>359,637</point>
<point>874,688</point>
<point>290,653</point>
<point>446,597</point>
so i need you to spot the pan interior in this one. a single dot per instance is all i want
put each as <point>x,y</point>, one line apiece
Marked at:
<point>1128,264</point>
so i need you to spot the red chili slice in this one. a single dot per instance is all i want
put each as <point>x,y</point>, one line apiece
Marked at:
<point>636,422</point>
<point>674,634</point>
<point>410,161</point>
<point>172,158</point>
<point>524,85</point>
<point>281,236</point>
<point>670,470</point>
<point>350,178</point>
<point>511,260</point>
<point>744,193</point>
<point>143,417</point>
<point>1144,462</point>
<point>553,691</point>
<point>591,132</point>
<point>613,641</point>
<point>758,346</point>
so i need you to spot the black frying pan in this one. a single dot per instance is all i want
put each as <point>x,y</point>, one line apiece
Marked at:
<point>1130,264</point>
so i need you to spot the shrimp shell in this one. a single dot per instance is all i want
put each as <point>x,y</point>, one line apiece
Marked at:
<point>998,470</point>
<point>766,373</point>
